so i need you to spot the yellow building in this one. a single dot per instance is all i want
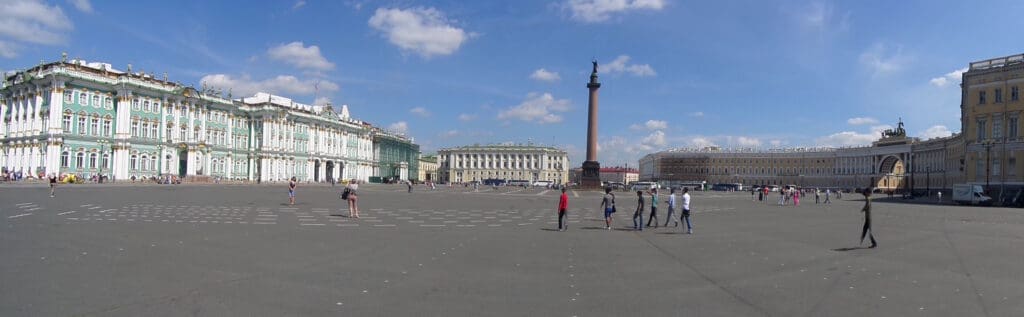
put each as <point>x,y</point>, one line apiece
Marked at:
<point>428,168</point>
<point>990,112</point>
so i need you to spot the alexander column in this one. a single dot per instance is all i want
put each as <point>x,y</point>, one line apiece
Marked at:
<point>591,177</point>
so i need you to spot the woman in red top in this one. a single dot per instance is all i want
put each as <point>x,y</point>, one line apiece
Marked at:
<point>563,204</point>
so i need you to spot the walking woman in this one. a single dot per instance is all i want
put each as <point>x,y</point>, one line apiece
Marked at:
<point>867,219</point>
<point>353,199</point>
<point>796,197</point>
<point>638,215</point>
<point>291,191</point>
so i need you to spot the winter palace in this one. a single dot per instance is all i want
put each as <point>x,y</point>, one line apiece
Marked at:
<point>89,119</point>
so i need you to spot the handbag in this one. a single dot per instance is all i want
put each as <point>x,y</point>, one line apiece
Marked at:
<point>344,194</point>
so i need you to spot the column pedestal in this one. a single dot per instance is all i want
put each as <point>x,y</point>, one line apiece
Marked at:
<point>591,176</point>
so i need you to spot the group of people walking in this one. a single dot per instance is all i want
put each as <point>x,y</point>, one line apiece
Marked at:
<point>608,205</point>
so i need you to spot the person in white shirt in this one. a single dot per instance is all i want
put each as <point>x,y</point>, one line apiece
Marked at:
<point>686,210</point>
<point>671,207</point>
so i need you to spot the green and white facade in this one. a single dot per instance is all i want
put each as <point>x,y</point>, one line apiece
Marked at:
<point>90,119</point>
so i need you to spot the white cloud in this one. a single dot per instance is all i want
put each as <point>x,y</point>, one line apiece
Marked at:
<point>775,143</point>
<point>654,140</point>
<point>747,142</point>
<point>619,65</point>
<point>700,142</point>
<point>881,59</point>
<point>852,138</point>
<point>450,134</point>
<point>602,10</point>
<point>297,55</point>
<point>322,101</point>
<point>650,125</point>
<point>298,4</point>
<point>82,5</point>
<point>420,111</point>
<point>31,21</point>
<point>545,75</point>
<point>539,108</point>
<point>283,84</point>
<point>424,31</point>
<point>950,77</point>
<point>399,127</point>
<point>861,121</point>
<point>936,131</point>
<point>697,114</point>
<point>465,117</point>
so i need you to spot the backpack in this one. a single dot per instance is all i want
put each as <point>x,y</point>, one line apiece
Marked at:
<point>344,193</point>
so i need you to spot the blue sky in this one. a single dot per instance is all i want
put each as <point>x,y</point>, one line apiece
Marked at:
<point>675,73</point>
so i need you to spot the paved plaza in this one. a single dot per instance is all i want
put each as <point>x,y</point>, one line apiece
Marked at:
<point>243,251</point>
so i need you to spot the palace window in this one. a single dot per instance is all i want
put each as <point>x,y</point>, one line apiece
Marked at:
<point>1011,166</point>
<point>997,128</point>
<point>153,131</point>
<point>94,125</point>
<point>135,105</point>
<point>133,162</point>
<point>183,133</point>
<point>981,130</point>
<point>1014,93</point>
<point>144,163</point>
<point>999,95</point>
<point>80,160</point>
<point>109,102</point>
<point>145,129</point>
<point>67,122</point>
<point>996,167</point>
<point>81,123</point>
<point>96,101</point>
<point>83,99</point>
<point>981,97</point>
<point>106,160</point>
<point>135,128</point>
<point>979,168</point>
<point>1011,127</point>
<point>146,107</point>
<point>64,157</point>
<point>92,160</point>
<point>67,96</point>
<point>106,126</point>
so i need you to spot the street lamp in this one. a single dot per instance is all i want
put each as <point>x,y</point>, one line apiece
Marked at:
<point>103,145</point>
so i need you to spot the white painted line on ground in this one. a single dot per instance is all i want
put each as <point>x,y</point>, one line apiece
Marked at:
<point>262,223</point>
<point>494,225</point>
<point>524,224</point>
<point>575,194</point>
<point>72,218</point>
<point>85,205</point>
<point>384,225</point>
<point>18,216</point>
<point>543,192</point>
<point>106,210</point>
<point>26,206</point>
<point>312,224</point>
<point>22,204</point>
<point>66,212</point>
<point>432,225</point>
<point>34,209</point>
<point>348,225</point>
<point>95,207</point>
<point>415,221</point>
<point>403,218</point>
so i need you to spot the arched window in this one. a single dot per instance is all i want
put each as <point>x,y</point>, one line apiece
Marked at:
<point>133,162</point>
<point>80,160</point>
<point>145,163</point>
<point>67,96</point>
<point>83,99</point>
<point>105,162</point>
<point>96,101</point>
<point>107,121</point>
<point>64,157</point>
<point>92,160</point>
<point>94,125</point>
<point>67,122</point>
<point>145,106</point>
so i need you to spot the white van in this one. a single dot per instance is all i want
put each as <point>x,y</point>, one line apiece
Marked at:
<point>970,194</point>
<point>645,186</point>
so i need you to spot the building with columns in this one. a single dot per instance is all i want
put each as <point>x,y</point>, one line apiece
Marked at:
<point>88,119</point>
<point>984,153</point>
<point>503,162</point>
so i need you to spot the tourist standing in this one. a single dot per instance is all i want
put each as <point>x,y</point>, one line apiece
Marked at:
<point>291,191</point>
<point>563,205</point>
<point>638,215</point>
<point>940,196</point>
<point>672,207</point>
<point>409,184</point>
<point>53,184</point>
<point>828,193</point>
<point>654,209</point>
<point>782,196</point>
<point>867,219</point>
<point>608,205</point>
<point>817,196</point>
<point>686,210</point>
<point>796,197</point>
<point>353,199</point>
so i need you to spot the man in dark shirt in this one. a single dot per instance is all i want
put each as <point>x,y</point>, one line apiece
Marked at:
<point>638,215</point>
<point>53,184</point>
<point>867,219</point>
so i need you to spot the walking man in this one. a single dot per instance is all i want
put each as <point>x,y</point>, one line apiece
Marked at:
<point>291,191</point>
<point>53,184</point>
<point>686,210</point>
<point>867,219</point>
<point>563,205</point>
<point>671,207</point>
<point>940,196</point>
<point>654,209</point>
<point>638,215</point>
<point>828,193</point>
<point>817,196</point>
<point>608,205</point>
<point>409,184</point>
